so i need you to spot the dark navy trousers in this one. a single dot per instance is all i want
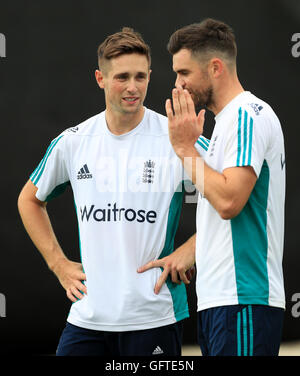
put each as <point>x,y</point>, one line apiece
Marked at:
<point>240,330</point>
<point>161,341</point>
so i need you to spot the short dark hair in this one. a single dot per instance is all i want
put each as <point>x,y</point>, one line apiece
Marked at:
<point>126,41</point>
<point>201,38</point>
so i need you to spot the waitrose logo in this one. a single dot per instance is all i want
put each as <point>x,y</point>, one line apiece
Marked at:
<point>114,214</point>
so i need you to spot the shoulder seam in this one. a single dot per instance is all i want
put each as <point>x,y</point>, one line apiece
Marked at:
<point>37,173</point>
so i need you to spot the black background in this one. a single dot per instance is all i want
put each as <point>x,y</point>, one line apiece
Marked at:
<point>47,84</point>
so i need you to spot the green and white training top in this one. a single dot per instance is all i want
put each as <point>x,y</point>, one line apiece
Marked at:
<point>239,261</point>
<point>128,192</point>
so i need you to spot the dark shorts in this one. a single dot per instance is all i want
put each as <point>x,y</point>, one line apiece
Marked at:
<point>162,341</point>
<point>240,330</point>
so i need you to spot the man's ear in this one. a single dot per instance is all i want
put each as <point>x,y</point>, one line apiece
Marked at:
<point>150,71</point>
<point>99,78</point>
<point>216,67</point>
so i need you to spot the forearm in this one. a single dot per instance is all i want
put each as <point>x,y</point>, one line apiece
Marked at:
<point>38,226</point>
<point>210,183</point>
<point>228,192</point>
<point>189,247</point>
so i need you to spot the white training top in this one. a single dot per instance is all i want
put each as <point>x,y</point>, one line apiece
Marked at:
<point>128,196</point>
<point>239,261</point>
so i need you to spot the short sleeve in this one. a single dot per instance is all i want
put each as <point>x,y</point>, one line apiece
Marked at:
<point>247,140</point>
<point>51,175</point>
<point>202,145</point>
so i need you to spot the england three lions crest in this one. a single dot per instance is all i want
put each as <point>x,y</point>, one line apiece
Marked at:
<point>148,172</point>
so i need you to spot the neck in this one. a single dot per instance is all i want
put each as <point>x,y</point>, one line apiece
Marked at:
<point>225,93</point>
<point>120,123</point>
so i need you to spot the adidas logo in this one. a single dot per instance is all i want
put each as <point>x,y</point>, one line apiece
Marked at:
<point>157,351</point>
<point>84,173</point>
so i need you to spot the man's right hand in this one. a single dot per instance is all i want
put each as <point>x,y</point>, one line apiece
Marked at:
<point>71,276</point>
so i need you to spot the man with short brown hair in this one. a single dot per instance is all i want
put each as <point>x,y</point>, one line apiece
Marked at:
<point>126,181</point>
<point>120,43</point>
<point>240,218</point>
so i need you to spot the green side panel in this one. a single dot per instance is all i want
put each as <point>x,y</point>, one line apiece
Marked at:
<point>250,244</point>
<point>178,292</point>
<point>57,191</point>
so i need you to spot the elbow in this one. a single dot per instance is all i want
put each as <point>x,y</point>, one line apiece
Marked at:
<point>21,203</point>
<point>229,210</point>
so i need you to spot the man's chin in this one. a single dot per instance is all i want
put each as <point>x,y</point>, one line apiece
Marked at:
<point>131,110</point>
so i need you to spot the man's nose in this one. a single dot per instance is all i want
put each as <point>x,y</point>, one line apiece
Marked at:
<point>131,86</point>
<point>179,83</point>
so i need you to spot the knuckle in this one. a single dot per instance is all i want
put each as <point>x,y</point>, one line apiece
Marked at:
<point>174,268</point>
<point>180,269</point>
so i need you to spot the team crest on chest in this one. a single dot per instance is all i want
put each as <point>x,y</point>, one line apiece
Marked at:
<point>148,172</point>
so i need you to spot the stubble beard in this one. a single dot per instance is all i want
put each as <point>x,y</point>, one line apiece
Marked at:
<point>204,99</point>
